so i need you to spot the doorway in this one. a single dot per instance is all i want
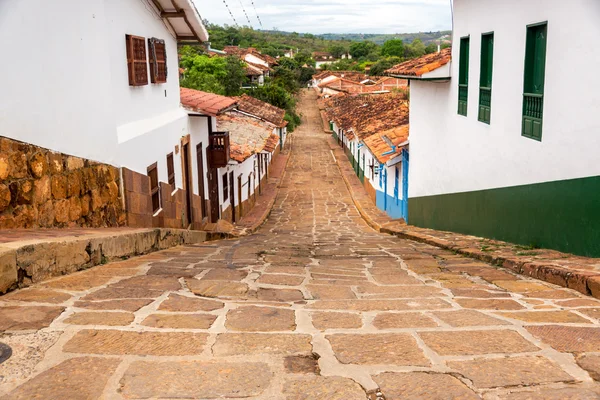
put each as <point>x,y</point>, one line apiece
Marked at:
<point>200,161</point>
<point>213,194</point>
<point>187,168</point>
<point>232,196</point>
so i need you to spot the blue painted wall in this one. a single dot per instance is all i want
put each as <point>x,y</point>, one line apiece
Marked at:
<point>387,203</point>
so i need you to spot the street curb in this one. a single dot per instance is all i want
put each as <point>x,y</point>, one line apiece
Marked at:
<point>28,262</point>
<point>585,282</point>
<point>372,223</point>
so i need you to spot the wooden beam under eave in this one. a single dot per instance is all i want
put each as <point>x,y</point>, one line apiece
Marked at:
<point>185,18</point>
<point>172,14</point>
<point>188,39</point>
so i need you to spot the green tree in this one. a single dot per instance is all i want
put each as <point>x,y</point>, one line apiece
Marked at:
<point>416,49</point>
<point>212,74</point>
<point>384,64</point>
<point>304,57</point>
<point>362,49</point>
<point>337,50</point>
<point>393,47</point>
<point>431,48</point>
<point>235,76</point>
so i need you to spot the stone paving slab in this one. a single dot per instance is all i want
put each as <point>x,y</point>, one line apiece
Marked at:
<point>315,304</point>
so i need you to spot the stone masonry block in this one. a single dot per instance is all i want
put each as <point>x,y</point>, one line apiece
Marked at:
<point>8,269</point>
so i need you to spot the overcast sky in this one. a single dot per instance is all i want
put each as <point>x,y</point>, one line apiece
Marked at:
<point>333,16</point>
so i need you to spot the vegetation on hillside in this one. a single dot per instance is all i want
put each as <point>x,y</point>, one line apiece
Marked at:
<point>226,75</point>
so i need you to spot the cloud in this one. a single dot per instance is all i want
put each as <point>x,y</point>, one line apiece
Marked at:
<point>333,16</point>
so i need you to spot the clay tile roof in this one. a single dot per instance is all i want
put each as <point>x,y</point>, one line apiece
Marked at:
<point>235,50</point>
<point>366,115</point>
<point>385,84</point>
<point>247,135</point>
<point>258,66</point>
<point>379,146</point>
<point>422,65</point>
<point>271,143</point>
<point>251,70</point>
<point>261,109</point>
<point>203,102</point>
<point>349,75</point>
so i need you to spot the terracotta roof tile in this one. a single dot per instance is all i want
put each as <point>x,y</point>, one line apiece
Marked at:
<point>247,135</point>
<point>203,102</point>
<point>365,115</point>
<point>349,75</point>
<point>422,65</point>
<point>379,146</point>
<point>385,84</point>
<point>261,109</point>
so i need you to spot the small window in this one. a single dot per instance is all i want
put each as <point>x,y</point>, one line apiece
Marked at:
<point>137,64</point>
<point>463,76</point>
<point>225,188</point>
<point>485,80</point>
<point>533,87</point>
<point>171,169</point>
<point>158,60</point>
<point>153,174</point>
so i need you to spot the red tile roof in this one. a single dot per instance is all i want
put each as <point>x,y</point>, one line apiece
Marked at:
<point>365,115</point>
<point>206,103</point>
<point>261,109</point>
<point>247,135</point>
<point>379,146</point>
<point>420,66</point>
<point>349,75</point>
<point>385,84</point>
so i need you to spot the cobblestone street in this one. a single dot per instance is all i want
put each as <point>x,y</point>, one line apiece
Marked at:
<point>315,305</point>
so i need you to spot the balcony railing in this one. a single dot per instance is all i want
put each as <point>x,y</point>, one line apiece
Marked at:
<point>533,105</point>
<point>533,113</point>
<point>218,149</point>
<point>463,95</point>
<point>485,104</point>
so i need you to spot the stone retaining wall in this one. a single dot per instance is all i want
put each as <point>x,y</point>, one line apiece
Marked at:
<point>40,188</point>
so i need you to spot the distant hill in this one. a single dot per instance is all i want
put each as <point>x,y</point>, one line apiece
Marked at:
<point>379,38</point>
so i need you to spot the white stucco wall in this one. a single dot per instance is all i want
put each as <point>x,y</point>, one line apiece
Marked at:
<point>451,153</point>
<point>56,86</point>
<point>68,88</point>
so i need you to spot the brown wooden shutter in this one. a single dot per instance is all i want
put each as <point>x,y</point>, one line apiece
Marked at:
<point>137,63</point>
<point>158,60</point>
<point>171,169</point>
<point>154,189</point>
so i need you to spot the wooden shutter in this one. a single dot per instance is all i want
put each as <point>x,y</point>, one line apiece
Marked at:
<point>533,90</point>
<point>158,60</point>
<point>137,65</point>
<point>463,76</point>
<point>154,190</point>
<point>485,79</point>
<point>225,187</point>
<point>171,169</point>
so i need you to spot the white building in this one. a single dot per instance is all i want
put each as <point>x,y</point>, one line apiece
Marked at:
<point>244,135</point>
<point>504,139</point>
<point>373,131</point>
<point>99,80</point>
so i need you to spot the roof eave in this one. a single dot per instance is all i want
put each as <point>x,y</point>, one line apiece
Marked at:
<point>420,78</point>
<point>186,14</point>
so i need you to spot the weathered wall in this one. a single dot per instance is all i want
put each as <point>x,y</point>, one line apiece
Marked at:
<point>40,188</point>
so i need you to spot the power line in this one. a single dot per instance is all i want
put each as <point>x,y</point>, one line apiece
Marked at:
<point>257,17</point>
<point>230,13</point>
<point>246,14</point>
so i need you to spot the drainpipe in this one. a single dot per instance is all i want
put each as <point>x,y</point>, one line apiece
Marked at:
<point>390,152</point>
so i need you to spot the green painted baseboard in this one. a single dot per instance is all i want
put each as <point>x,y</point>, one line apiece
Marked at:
<point>561,215</point>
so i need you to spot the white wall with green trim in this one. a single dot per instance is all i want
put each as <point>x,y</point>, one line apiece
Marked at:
<point>451,153</point>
